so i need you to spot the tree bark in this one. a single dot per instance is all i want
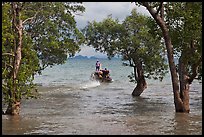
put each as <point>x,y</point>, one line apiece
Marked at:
<point>184,87</point>
<point>14,102</point>
<point>13,108</point>
<point>141,86</point>
<point>139,77</point>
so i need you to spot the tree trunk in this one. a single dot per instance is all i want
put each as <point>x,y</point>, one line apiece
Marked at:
<point>141,86</point>
<point>184,94</point>
<point>184,87</point>
<point>180,106</point>
<point>139,77</point>
<point>13,108</point>
<point>14,102</point>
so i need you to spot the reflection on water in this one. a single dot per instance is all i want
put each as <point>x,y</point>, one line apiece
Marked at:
<point>104,110</point>
<point>17,124</point>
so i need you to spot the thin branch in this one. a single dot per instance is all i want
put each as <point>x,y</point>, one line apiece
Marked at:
<point>7,66</point>
<point>162,12</point>
<point>31,18</point>
<point>10,54</point>
<point>160,6</point>
<point>194,70</point>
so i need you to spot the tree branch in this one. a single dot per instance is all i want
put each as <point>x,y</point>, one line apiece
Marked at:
<point>10,54</point>
<point>151,10</point>
<point>160,6</point>
<point>194,70</point>
<point>31,18</point>
<point>9,65</point>
<point>14,7</point>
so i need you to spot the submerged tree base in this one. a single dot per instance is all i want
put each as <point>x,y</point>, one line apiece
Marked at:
<point>137,92</point>
<point>13,109</point>
<point>141,86</point>
<point>182,111</point>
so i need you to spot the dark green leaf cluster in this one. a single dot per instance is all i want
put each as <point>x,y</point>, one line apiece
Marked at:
<point>185,26</point>
<point>49,36</point>
<point>54,31</point>
<point>103,36</point>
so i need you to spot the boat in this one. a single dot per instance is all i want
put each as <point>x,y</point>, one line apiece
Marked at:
<point>101,76</point>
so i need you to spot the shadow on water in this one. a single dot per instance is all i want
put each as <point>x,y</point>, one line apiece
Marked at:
<point>146,106</point>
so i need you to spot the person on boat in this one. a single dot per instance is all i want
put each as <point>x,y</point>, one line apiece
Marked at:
<point>100,74</point>
<point>98,65</point>
<point>105,73</point>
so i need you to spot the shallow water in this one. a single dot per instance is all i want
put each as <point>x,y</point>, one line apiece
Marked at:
<point>65,107</point>
<point>104,110</point>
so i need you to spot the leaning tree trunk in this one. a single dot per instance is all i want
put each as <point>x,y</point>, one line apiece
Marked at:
<point>14,102</point>
<point>178,101</point>
<point>141,82</point>
<point>141,86</point>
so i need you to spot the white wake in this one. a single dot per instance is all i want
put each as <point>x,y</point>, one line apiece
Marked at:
<point>90,84</point>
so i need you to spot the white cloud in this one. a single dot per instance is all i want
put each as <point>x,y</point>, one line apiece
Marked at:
<point>89,51</point>
<point>100,10</point>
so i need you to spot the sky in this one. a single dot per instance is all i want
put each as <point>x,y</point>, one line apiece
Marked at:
<point>100,10</point>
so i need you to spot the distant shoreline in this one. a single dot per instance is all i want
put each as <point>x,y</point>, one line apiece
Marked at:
<point>92,57</point>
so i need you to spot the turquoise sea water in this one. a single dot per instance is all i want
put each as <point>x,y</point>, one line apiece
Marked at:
<point>77,72</point>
